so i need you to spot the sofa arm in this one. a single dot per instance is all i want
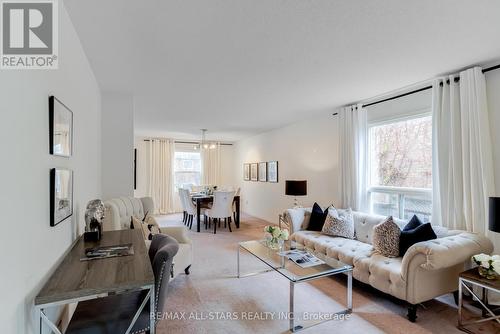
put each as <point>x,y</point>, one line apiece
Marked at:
<point>448,251</point>
<point>296,218</point>
<point>148,205</point>
<point>179,233</point>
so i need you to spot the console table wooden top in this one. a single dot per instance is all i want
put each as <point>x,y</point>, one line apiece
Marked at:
<point>79,280</point>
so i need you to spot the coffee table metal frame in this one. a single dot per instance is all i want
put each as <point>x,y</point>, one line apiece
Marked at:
<point>293,326</point>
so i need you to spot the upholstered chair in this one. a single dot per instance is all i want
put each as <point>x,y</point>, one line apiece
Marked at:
<point>222,208</point>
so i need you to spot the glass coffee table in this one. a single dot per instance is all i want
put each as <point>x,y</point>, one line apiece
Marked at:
<point>296,274</point>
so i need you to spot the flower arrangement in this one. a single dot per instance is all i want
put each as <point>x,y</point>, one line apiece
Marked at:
<point>276,236</point>
<point>489,266</point>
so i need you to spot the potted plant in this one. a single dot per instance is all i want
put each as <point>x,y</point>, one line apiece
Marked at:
<point>275,236</point>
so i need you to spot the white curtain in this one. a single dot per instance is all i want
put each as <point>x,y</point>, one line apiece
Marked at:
<point>211,162</point>
<point>160,185</point>
<point>462,152</point>
<point>353,154</point>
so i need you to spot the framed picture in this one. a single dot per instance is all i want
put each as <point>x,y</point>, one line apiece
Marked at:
<point>254,172</point>
<point>60,128</point>
<point>61,195</point>
<point>246,172</point>
<point>263,171</point>
<point>272,171</point>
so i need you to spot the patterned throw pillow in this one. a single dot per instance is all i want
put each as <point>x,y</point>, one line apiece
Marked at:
<point>149,227</point>
<point>338,225</point>
<point>386,238</point>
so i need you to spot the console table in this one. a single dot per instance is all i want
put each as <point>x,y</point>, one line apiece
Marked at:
<point>75,280</point>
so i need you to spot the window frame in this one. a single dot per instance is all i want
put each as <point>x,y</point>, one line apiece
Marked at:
<point>175,172</point>
<point>401,192</point>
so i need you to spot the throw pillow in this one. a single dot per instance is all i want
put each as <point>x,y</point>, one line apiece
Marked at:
<point>386,238</point>
<point>137,224</point>
<point>421,233</point>
<point>339,226</point>
<point>317,218</point>
<point>413,223</point>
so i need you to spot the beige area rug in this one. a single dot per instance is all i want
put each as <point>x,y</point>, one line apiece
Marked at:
<point>212,300</point>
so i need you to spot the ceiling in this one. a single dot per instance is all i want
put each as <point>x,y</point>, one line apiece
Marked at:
<point>239,68</point>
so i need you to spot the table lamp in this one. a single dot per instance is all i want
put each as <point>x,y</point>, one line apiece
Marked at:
<point>296,188</point>
<point>494,214</point>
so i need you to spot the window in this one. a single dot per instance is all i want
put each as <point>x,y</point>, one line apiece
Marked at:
<point>400,167</point>
<point>187,169</point>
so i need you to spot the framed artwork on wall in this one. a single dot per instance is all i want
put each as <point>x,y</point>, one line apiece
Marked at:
<point>61,195</point>
<point>262,171</point>
<point>246,172</point>
<point>254,172</point>
<point>272,171</point>
<point>60,128</point>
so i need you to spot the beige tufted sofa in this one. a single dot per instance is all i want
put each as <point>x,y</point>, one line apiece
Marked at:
<point>428,269</point>
<point>118,214</point>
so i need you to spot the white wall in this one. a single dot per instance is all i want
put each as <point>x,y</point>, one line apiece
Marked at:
<point>306,150</point>
<point>117,145</point>
<point>493,91</point>
<point>29,247</point>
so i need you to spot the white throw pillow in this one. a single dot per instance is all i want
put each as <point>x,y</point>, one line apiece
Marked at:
<point>339,224</point>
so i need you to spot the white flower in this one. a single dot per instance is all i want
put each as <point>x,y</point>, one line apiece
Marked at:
<point>485,264</point>
<point>479,258</point>
<point>495,257</point>
<point>496,266</point>
<point>284,234</point>
<point>276,232</point>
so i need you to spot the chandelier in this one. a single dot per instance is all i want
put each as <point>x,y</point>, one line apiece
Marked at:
<point>204,144</point>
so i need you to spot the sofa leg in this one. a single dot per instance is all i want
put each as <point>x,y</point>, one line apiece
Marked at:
<point>187,270</point>
<point>412,313</point>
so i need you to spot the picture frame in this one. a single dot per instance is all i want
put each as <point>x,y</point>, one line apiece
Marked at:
<point>61,195</point>
<point>246,172</point>
<point>60,128</point>
<point>254,172</point>
<point>262,171</point>
<point>272,171</point>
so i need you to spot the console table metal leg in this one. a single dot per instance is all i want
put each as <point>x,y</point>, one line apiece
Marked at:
<point>238,261</point>
<point>460,302</point>
<point>46,320</point>
<point>152,317</point>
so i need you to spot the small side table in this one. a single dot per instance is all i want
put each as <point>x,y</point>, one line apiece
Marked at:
<point>467,280</point>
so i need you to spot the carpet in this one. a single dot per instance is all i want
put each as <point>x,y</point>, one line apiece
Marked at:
<point>213,300</point>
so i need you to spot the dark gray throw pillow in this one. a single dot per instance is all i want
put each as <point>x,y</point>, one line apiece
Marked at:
<point>413,223</point>
<point>317,219</point>
<point>420,233</point>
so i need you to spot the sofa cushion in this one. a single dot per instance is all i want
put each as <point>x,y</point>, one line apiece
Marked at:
<point>339,225</point>
<point>420,233</point>
<point>364,224</point>
<point>386,238</point>
<point>317,219</point>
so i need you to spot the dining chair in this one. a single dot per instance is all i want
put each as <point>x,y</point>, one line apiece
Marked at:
<point>190,209</point>
<point>221,208</point>
<point>114,314</point>
<point>234,204</point>
<point>183,204</point>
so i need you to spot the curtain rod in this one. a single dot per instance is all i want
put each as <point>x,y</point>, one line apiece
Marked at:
<point>193,142</point>
<point>420,90</point>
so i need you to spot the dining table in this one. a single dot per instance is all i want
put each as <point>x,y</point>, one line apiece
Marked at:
<point>203,201</point>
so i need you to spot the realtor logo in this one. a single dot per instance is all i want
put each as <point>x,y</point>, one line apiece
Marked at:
<point>29,35</point>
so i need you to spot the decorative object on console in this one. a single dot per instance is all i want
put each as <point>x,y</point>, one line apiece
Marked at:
<point>489,266</point>
<point>272,171</point>
<point>275,236</point>
<point>296,188</point>
<point>246,172</point>
<point>60,128</point>
<point>386,238</point>
<point>94,216</point>
<point>494,214</point>
<point>339,224</point>
<point>262,171</point>
<point>413,232</point>
<point>317,218</point>
<point>61,195</point>
<point>254,172</point>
